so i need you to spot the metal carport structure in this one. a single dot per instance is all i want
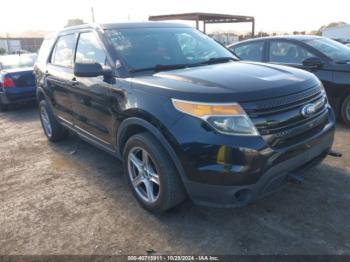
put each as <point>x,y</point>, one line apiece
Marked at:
<point>207,18</point>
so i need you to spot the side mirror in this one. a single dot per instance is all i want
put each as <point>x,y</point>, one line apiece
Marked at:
<point>91,70</point>
<point>313,62</point>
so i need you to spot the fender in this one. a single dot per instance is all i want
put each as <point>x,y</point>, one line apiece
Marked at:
<point>40,92</point>
<point>135,121</point>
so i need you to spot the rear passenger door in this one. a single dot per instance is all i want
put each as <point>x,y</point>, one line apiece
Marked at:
<point>251,51</point>
<point>92,100</point>
<point>59,74</point>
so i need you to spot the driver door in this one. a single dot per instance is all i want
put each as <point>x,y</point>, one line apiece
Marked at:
<point>92,102</point>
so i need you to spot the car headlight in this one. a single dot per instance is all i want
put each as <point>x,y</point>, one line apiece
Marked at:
<point>226,118</point>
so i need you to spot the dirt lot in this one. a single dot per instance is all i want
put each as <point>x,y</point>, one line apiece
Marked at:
<point>70,198</point>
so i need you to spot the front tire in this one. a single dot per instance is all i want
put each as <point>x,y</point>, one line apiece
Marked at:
<point>345,110</point>
<point>53,130</point>
<point>151,174</point>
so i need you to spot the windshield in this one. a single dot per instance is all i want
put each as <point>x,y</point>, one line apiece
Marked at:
<point>334,50</point>
<point>151,47</point>
<point>17,61</point>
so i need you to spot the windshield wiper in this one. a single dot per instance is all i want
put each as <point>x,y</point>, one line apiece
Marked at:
<point>217,60</point>
<point>158,68</point>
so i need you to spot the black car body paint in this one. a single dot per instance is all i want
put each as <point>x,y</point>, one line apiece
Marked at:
<point>216,169</point>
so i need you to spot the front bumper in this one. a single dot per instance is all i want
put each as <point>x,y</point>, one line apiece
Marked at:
<point>237,171</point>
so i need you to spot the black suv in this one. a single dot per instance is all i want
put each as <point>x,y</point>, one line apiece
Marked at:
<point>183,114</point>
<point>326,58</point>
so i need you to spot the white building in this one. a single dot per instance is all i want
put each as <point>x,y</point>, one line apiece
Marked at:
<point>10,45</point>
<point>339,32</point>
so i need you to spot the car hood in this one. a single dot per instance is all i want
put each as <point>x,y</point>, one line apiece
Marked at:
<point>241,81</point>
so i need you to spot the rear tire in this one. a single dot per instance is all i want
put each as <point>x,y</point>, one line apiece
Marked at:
<point>345,110</point>
<point>151,174</point>
<point>53,130</point>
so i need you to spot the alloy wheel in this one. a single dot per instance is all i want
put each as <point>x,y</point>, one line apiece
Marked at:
<point>143,174</point>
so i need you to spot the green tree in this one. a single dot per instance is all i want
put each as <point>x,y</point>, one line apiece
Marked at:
<point>75,21</point>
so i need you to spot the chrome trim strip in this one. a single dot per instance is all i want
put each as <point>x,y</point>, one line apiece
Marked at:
<point>90,140</point>
<point>79,129</point>
<point>88,133</point>
<point>65,120</point>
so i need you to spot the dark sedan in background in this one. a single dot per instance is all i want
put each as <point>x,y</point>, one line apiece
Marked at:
<point>17,81</point>
<point>326,58</point>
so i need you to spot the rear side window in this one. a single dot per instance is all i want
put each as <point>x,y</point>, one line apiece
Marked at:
<point>250,51</point>
<point>89,50</point>
<point>45,50</point>
<point>64,50</point>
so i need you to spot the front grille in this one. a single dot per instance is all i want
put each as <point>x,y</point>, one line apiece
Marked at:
<point>280,121</point>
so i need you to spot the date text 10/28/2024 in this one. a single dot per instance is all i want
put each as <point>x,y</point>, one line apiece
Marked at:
<point>172,258</point>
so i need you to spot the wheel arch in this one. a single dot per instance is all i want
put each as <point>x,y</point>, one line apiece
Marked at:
<point>40,94</point>
<point>137,124</point>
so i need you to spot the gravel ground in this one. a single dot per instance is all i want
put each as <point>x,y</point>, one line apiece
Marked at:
<point>71,198</point>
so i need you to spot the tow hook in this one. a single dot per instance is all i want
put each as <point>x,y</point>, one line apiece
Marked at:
<point>334,153</point>
<point>295,178</point>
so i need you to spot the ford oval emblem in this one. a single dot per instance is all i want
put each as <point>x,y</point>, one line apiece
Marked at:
<point>308,110</point>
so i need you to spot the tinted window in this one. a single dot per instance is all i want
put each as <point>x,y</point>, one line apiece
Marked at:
<point>64,49</point>
<point>147,47</point>
<point>89,50</point>
<point>334,50</point>
<point>290,53</point>
<point>250,51</point>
